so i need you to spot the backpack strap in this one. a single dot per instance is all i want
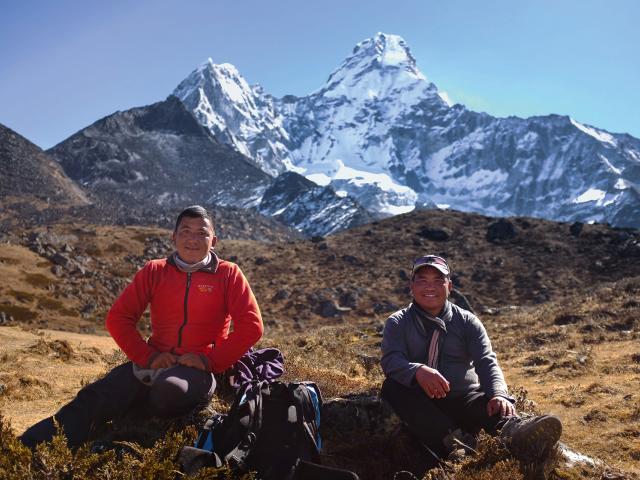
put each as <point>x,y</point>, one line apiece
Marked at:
<point>250,403</point>
<point>308,410</point>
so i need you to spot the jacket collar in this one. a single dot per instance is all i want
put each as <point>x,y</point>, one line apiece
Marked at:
<point>210,267</point>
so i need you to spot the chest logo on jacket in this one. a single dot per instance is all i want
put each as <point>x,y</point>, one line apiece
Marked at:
<point>203,288</point>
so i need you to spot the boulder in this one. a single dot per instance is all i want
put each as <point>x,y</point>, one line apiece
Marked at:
<point>500,231</point>
<point>435,234</point>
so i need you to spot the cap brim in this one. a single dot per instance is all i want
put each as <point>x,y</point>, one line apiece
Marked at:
<point>441,268</point>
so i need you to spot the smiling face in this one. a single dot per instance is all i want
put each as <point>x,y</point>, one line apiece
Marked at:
<point>430,289</point>
<point>193,239</point>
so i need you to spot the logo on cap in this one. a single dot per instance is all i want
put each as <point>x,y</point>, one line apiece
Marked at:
<point>431,261</point>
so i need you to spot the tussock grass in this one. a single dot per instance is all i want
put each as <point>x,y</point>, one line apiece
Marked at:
<point>129,461</point>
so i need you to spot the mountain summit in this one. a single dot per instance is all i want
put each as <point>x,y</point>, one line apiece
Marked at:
<point>376,68</point>
<point>237,114</point>
<point>380,132</point>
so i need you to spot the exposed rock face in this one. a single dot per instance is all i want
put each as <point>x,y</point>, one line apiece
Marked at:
<point>159,155</point>
<point>26,172</point>
<point>310,208</point>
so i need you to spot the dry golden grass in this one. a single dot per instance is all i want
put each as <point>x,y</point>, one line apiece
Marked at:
<point>569,344</point>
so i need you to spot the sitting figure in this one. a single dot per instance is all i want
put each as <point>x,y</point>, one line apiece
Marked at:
<point>193,297</point>
<point>443,378</point>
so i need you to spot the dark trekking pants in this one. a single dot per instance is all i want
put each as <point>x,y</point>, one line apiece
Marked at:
<point>175,391</point>
<point>431,420</point>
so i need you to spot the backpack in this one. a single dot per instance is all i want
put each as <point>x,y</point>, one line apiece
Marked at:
<point>269,429</point>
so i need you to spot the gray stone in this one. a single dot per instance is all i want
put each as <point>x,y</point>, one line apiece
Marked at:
<point>358,415</point>
<point>60,259</point>
<point>281,294</point>
<point>460,300</point>
<point>328,308</point>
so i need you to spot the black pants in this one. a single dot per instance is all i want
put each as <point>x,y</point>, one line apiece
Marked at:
<point>431,420</point>
<point>176,391</point>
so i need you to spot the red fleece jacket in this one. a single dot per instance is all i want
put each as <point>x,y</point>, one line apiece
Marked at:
<point>189,313</point>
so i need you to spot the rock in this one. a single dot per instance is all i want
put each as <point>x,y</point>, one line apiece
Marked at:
<point>359,415</point>
<point>261,260</point>
<point>349,299</point>
<point>460,300</point>
<point>630,249</point>
<point>576,229</point>
<point>60,259</point>
<point>317,239</point>
<point>57,270</point>
<point>384,307</point>
<point>328,308</point>
<point>403,274</point>
<point>567,319</point>
<point>79,269</point>
<point>351,259</point>
<point>490,311</point>
<point>88,308</point>
<point>281,294</point>
<point>501,231</point>
<point>435,234</point>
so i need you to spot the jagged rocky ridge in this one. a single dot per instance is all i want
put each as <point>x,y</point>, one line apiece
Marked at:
<point>379,131</point>
<point>160,157</point>
<point>313,209</point>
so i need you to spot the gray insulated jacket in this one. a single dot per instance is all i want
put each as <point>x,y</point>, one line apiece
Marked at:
<point>466,358</point>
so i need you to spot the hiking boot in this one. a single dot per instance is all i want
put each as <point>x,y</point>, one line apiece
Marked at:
<point>531,439</point>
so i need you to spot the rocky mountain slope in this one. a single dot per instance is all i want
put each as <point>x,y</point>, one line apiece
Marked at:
<point>30,175</point>
<point>159,157</point>
<point>310,208</point>
<point>381,132</point>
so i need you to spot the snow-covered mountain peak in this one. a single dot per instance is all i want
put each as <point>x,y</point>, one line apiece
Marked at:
<point>237,114</point>
<point>377,67</point>
<point>389,50</point>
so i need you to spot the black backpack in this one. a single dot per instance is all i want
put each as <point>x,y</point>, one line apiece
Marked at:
<point>269,429</point>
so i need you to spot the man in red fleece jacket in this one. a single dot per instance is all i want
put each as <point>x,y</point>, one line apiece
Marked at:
<point>193,296</point>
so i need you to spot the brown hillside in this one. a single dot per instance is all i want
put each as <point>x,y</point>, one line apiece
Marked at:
<point>560,304</point>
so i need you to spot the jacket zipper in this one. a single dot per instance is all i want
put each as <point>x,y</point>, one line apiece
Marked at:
<point>186,298</point>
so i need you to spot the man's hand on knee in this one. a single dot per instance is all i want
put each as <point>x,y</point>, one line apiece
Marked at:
<point>432,382</point>
<point>500,406</point>
<point>164,360</point>
<point>193,360</point>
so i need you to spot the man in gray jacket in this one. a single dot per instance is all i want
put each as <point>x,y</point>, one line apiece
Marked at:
<point>443,378</point>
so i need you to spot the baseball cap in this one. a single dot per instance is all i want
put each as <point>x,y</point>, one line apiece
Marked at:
<point>431,261</point>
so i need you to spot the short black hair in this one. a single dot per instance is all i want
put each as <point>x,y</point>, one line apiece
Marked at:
<point>195,211</point>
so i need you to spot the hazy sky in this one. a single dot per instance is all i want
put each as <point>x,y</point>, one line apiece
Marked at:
<point>66,63</point>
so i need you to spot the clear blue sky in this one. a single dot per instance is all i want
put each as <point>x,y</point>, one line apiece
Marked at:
<point>66,63</point>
